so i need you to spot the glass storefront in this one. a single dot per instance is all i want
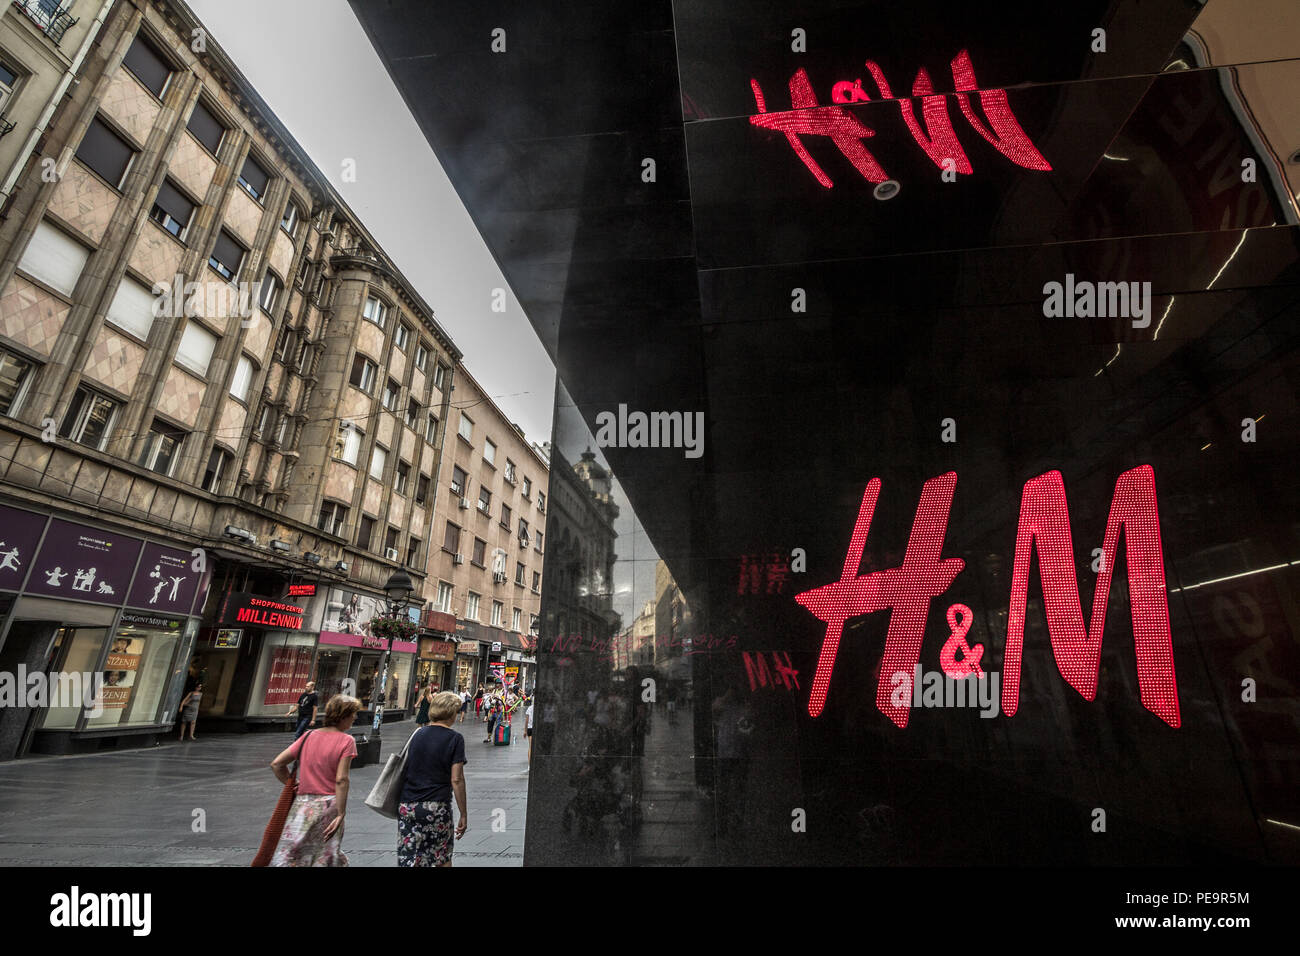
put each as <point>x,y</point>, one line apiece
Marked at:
<point>283,669</point>
<point>84,646</point>
<point>137,670</point>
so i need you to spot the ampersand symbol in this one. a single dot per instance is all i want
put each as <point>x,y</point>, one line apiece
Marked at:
<point>970,656</point>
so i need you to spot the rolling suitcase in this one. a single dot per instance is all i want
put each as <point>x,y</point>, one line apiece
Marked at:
<point>501,737</point>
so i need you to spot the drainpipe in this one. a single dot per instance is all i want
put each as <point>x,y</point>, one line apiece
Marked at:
<point>69,75</point>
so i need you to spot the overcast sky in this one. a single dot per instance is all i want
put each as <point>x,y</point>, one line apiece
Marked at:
<point>311,62</point>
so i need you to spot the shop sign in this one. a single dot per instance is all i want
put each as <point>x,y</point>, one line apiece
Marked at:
<point>290,671</point>
<point>84,563</point>
<point>20,531</point>
<point>251,609</point>
<point>435,650</point>
<point>375,642</point>
<point>120,671</point>
<point>467,648</point>
<point>165,580</point>
<point>302,590</point>
<point>228,637</point>
<point>152,621</point>
<point>512,674</point>
<point>496,647</point>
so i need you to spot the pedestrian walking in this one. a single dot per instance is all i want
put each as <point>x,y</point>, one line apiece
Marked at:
<point>464,703</point>
<point>435,771</point>
<point>306,709</point>
<point>189,708</point>
<point>422,712</point>
<point>478,701</point>
<point>313,833</point>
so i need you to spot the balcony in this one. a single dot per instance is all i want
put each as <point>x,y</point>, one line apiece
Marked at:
<point>50,16</point>
<point>5,125</point>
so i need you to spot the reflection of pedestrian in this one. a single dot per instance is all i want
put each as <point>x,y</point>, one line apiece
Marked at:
<point>528,730</point>
<point>190,710</point>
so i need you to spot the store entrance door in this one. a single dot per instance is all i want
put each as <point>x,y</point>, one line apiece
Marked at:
<point>34,645</point>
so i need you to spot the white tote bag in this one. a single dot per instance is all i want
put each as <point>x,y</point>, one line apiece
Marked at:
<point>386,794</point>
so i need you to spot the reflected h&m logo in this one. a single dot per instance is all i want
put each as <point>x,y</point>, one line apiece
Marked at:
<point>936,137</point>
<point>1044,524</point>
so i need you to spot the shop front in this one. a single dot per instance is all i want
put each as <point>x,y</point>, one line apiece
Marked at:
<point>106,620</point>
<point>467,665</point>
<point>435,664</point>
<point>350,659</point>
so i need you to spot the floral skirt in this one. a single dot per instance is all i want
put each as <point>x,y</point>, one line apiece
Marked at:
<point>424,834</point>
<point>303,842</point>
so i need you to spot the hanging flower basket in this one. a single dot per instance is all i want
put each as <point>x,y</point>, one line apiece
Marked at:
<point>394,629</point>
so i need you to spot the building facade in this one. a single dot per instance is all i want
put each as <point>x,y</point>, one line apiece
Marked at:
<point>490,515</point>
<point>209,371</point>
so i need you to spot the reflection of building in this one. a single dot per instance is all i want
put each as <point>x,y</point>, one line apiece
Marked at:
<point>582,538</point>
<point>490,505</point>
<point>200,347</point>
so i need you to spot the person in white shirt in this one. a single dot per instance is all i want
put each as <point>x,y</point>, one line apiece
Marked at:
<point>528,729</point>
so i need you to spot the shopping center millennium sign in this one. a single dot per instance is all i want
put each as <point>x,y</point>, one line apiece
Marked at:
<point>1044,524</point>
<point>262,612</point>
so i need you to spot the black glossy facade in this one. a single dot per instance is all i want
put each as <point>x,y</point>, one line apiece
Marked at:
<point>683,294</point>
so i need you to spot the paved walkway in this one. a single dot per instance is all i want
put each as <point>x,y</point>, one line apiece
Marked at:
<point>143,807</point>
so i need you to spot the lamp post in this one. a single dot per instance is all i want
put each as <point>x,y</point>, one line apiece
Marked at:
<point>397,594</point>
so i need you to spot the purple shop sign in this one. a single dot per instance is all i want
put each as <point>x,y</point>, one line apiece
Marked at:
<point>85,563</point>
<point>165,581</point>
<point>20,532</point>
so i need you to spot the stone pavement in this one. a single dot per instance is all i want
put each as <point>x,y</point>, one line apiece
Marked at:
<point>141,807</point>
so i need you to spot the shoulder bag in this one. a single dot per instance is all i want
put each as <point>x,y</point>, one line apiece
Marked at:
<point>275,827</point>
<point>387,791</point>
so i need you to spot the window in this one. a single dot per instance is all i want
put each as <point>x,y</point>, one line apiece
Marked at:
<point>378,462</point>
<point>541,502</point>
<point>375,311</point>
<point>524,537</point>
<point>264,421</point>
<point>282,429</point>
<point>207,129</point>
<point>413,416</point>
<point>444,597</point>
<point>196,348</point>
<point>366,532</point>
<point>243,376</point>
<point>332,517</point>
<point>421,356</point>
<point>402,336</point>
<point>458,479</point>
<point>363,374</point>
<point>489,452</point>
<point>162,448</point>
<point>53,258</point>
<point>439,376</point>
<point>402,478</point>
<point>421,489</point>
<point>516,619</point>
<point>505,516</point>
<point>89,418</point>
<point>484,500</point>
<point>289,221</point>
<point>227,256</point>
<point>282,344</point>
<point>8,80</point>
<point>300,360</point>
<point>390,542</point>
<point>106,153</point>
<point>537,581</point>
<point>528,488</point>
<point>431,430</point>
<point>269,293</point>
<point>391,392</point>
<point>480,552</point>
<point>15,373</point>
<point>148,65</point>
<point>171,210</point>
<point>471,606</point>
<point>538,545</point>
<point>412,551</point>
<point>520,571</point>
<point>348,445</point>
<point>254,178</point>
<point>510,471</point>
<point>218,462</point>
<point>132,308</point>
<point>466,430</point>
<point>497,609</point>
<point>451,538</point>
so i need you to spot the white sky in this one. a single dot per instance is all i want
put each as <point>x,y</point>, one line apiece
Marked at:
<point>313,65</point>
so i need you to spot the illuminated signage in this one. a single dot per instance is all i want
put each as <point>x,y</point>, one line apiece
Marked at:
<point>302,590</point>
<point>937,138</point>
<point>262,612</point>
<point>228,637</point>
<point>906,591</point>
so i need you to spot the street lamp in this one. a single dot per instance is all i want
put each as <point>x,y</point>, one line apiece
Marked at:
<point>397,595</point>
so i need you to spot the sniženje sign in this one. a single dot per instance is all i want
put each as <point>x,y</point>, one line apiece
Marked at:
<point>256,611</point>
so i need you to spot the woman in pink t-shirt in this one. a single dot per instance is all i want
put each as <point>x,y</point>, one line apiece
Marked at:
<point>313,834</point>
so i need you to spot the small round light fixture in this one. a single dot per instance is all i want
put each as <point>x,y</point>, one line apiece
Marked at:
<point>886,190</point>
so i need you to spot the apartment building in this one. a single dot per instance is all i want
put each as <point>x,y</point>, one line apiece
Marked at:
<point>490,517</point>
<point>221,404</point>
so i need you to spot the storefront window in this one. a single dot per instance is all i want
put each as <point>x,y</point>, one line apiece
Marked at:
<point>84,647</point>
<point>331,671</point>
<point>137,669</point>
<point>283,669</point>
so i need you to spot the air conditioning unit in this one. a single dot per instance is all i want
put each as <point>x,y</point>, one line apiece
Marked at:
<point>458,559</point>
<point>464,503</point>
<point>499,578</point>
<point>485,509</point>
<point>390,554</point>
